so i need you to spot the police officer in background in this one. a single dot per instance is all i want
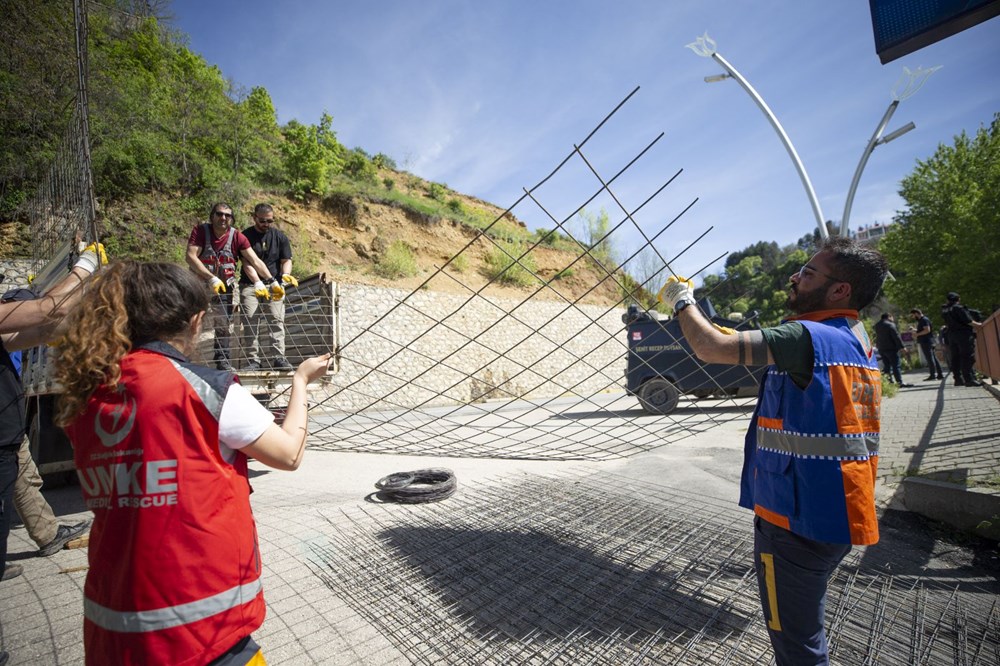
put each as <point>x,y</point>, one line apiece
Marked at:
<point>962,323</point>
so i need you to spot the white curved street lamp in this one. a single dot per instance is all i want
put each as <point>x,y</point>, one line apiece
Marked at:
<point>908,84</point>
<point>705,47</point>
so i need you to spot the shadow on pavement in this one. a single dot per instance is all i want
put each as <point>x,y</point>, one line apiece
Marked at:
<point>519,582</point>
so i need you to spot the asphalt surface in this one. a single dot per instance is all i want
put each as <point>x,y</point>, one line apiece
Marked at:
<point>348,580</point>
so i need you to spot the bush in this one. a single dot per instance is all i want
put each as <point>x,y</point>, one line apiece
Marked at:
<point>502,268</point>
<point>459,262</point>
<point>397,262</point>
<point>383,161</point>
<point>454,205</point>
<point>389,183</point>
<point>359,167</point>
<point>436,191</point>
<point>552,238</point>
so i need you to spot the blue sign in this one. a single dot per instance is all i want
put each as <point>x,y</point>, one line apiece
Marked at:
<point>904,26</point>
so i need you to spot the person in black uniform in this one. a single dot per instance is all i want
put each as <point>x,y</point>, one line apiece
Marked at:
<point>889,345</point>
<point>266,316</point>
<point>925,338</point>
<point>962,323</point>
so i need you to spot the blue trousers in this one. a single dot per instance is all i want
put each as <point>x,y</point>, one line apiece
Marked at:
<point>892,365</point>
<point>792,573</point>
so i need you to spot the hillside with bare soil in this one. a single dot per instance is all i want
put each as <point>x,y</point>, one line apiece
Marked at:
<point>357,233</point>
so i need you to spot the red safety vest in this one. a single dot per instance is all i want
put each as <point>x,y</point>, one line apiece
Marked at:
<point>222,263</point>
<point>174,561</point>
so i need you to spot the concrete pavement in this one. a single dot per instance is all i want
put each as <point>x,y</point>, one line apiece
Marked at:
<point>535,561</point>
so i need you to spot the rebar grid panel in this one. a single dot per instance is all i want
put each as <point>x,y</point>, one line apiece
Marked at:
<point>413,377</point>
<point>62,210</point>
<point>575,569</point>
<point>59,211</point>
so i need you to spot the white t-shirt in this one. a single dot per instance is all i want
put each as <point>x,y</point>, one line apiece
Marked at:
<point>242,421</point>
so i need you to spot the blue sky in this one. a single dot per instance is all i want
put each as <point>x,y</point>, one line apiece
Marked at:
<point>488,97</point>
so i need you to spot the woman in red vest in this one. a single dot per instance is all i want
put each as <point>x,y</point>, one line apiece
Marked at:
<point>161,448</point>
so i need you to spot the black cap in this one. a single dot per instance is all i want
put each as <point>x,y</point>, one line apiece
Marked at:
<point>952,297</point>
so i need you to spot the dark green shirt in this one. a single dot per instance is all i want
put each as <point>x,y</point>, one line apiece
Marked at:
<point>792,349</point>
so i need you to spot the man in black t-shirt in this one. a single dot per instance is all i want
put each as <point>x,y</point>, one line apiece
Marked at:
<point>925,338</point>
<point>266,316</point>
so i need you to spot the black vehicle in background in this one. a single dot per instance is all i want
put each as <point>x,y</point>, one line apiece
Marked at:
<point>661,366</point>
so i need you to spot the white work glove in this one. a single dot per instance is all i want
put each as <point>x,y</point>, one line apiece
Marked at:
<point>676,289</point>
<point>218,286</point>
<point>289,280</point>
<point>92,256</point>
<point>277,291</point>
<point>260,291</point>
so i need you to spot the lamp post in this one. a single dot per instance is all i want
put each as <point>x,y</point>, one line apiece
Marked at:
<point>705,47</point>
<point>908,84</point>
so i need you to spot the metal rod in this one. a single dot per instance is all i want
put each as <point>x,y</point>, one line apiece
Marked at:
<point>845,220</point>
<point>817,210</point>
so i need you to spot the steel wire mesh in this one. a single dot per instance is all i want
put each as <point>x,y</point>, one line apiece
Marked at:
<point>599,569</point>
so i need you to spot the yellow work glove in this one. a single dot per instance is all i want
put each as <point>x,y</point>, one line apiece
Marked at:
<point>218,286</point>
<point>676,289</point>
<point>724,329</point>
<point>92,256</point>
<point>260,291</point>
<point>289,280</point>
<point>277,291</point>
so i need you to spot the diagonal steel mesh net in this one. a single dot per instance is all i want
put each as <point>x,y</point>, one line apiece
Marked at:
<point>540,376</point>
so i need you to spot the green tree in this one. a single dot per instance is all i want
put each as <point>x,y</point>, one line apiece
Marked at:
<point>254,134</point>
<point>595,228</point>
<point>948,237</point>
<point>37,86</point>
<point>312,155</point>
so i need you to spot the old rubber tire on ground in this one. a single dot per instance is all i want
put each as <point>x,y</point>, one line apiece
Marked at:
<point>658,396</point>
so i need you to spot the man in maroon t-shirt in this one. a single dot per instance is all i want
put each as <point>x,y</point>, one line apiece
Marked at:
<point>212,253</point>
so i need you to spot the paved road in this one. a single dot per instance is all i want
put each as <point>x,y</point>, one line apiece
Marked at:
<point>599,561</point>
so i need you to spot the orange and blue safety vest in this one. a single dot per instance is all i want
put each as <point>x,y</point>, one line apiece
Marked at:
<point>175,570</point>
<point>811,454</point>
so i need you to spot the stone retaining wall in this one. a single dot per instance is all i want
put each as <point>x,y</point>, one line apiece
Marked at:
<point>16,272</point>
<point>402,350</point>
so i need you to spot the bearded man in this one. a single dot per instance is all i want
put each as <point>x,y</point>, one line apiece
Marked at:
<point>811,451</point>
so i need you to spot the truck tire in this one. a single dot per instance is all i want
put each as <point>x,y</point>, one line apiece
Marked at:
<point>658,396</point>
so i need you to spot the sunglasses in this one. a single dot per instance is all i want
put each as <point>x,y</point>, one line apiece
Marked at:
<point>271,221</point>
<point>225,216</point>
<point>805,270</point>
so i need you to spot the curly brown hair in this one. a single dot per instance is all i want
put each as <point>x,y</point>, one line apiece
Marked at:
<point>128,304</point>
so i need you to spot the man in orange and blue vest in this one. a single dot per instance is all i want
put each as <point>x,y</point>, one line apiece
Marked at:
<point>811,451</point>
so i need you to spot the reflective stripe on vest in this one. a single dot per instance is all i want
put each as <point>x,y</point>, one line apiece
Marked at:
<point>828,447</point>
<point>131,622</point>
<point>205,393</point>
